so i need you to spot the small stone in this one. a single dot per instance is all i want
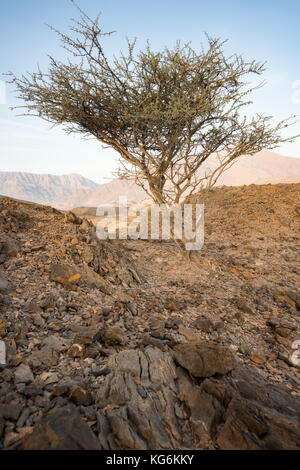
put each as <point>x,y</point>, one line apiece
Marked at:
<point>160,333</point>
<point>49,377</point>
<point>257,359</point>
<point>80,396</point>
<point>60,389</point>
<point>11,411</point>
<point>204,324</point>
<point>55,342</point>
<point>46,356</point>
<point>31,391</point>
<point>48,302</point>
<point>76,350</point>
<point>190,334</point>
<point>4,284</point>
<point>114,335</point>
<point>87,336</point>
<point>38,320</point>
<point>156,323</point>
<point>244,307</point>
<point>23,374</point>
<point>32,307</point>
<point>88,255</point>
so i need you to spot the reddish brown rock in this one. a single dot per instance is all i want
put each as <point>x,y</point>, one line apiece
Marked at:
<point>62,429</point>
<point>204,359</point>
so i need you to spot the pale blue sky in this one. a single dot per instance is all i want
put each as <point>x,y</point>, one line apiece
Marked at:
<point>262,30</point>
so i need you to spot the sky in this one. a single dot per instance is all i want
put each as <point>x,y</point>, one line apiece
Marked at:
<point>265,30</point>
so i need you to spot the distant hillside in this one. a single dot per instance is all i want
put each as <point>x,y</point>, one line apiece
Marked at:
<point>70,191</point>
<point>107,193</point>
<point>262,168</point>
<point>43,188</point>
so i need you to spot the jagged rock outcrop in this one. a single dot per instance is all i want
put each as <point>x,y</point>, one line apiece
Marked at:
<point>147,402</point>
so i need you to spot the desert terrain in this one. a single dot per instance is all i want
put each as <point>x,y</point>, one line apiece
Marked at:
<point>123,344</point>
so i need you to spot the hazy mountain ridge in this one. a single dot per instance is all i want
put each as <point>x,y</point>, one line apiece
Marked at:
<point>70,191</point>
<point>42,188</point>
<point>107,193</point>
<point>262,168</point>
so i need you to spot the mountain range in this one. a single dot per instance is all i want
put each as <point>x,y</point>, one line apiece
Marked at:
<point>70,191</point>
<point>262,168</point>
<point>43,188</point>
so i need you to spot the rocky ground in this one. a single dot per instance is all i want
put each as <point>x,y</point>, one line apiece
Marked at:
<point>124,345</point>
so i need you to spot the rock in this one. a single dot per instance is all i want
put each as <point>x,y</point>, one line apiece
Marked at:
<point>159,334</point>
<point>32,307</point>
<point>113,335</point>
<point>204,324</point>
<point>11,411</point>
<point>31,391</point>
<point>2,334</point>
<point>6,375</point>
<point>65,275</point>
<point>88,255</point>
<point>80,396</point>
<point>61,389</point>
<point>295,298</point>
<point>12,438</point>
<point>49,301</point>
<point>71,218</point>
<point>76,350</point>
<point>244,307</point>
<point>92,351</point>
<point>56,342</point>
<point>61,429</point>
<point>9,247</point>
<point>4,284</point>
<point>281,328</point>
<point>38,320</point>
<point>259,416</point>
<point>49,377</point>
<point>136,416</point>
<point>174,305</point>
<point>46,356</point>
<point>86,225</point>
<point>204,359</point>
<point>174,322</point>
<point>94,280</point>
<point>101,371</point>
<point>23,374</point>
<point>205,409</point>
<point>156,323</point>
<point>285,296</point>
<point>87,336</point>
<point>191,335</point>
<point>257,358</point>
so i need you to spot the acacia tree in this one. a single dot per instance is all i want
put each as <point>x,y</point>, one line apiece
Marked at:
<point>164,112</point>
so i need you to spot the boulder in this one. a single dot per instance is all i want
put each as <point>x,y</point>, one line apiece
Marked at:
<point>62,429</point>
<point>204,359</point>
